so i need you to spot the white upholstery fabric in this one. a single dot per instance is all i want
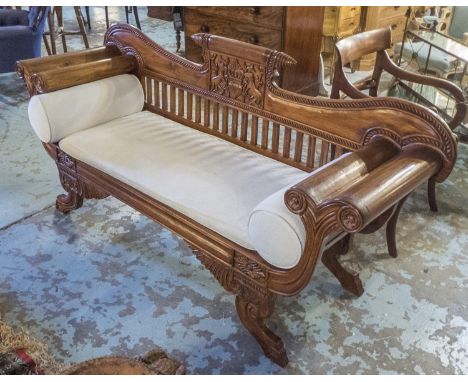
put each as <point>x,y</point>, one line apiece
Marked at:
<point>58,114</point>
<point>276,233</point>
<point>212,181</point>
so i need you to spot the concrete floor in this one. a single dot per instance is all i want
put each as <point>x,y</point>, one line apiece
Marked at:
<point>106,280</point>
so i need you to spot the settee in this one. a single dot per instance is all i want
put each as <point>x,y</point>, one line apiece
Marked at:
<point>260,182</point>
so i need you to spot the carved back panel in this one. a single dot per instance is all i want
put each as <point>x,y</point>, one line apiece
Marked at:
<point>234,95</point>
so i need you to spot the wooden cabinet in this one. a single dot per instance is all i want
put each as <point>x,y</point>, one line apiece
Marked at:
<point>341,22</point>
<point>294,30</point>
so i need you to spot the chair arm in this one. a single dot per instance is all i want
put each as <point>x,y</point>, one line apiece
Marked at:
<point>454,90</point>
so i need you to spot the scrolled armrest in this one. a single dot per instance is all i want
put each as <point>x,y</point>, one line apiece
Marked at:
<point>363,185</point>
<point>329,180</point>
<point>359,187</point>
<point>385,186</point>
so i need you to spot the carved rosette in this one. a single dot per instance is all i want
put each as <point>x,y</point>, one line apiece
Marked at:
<point>350,219</point>
<point>238,79</point>
<point>296,201</point>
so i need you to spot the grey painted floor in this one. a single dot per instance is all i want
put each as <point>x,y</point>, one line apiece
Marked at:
<point>106,280</point>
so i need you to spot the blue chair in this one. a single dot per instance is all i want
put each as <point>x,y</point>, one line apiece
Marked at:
<point>20,35</point>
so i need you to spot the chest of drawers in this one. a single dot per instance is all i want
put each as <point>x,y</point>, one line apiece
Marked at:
<point>294,30</point>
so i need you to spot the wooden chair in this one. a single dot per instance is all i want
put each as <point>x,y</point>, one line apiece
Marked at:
<point>378,41</point>
<point>57,12</point>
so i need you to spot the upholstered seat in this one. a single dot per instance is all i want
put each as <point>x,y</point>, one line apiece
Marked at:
<point>214,182</point>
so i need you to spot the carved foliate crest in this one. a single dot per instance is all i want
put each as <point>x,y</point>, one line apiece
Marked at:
<point>239,70</point>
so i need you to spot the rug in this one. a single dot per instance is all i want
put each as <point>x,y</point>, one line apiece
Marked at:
<point>21,354</point>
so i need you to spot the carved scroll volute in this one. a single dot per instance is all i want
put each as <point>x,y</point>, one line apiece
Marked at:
<point>151,56</point>
<point>238,70</point>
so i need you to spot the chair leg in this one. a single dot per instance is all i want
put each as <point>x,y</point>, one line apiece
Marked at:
<point>59,14</point>
<point>88,18</point>
<point>46,44</point>
<point>127,11</point>
<point>137,18</point>
<point>349,280</point>
<point>106,11</point>
<point>80,19</point>
<point>51,21</point>
<point>253,317</point>
<point>391,230</point>
<point>431,195</point>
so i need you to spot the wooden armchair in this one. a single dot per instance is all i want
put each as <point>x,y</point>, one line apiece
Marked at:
<point>377,41</point>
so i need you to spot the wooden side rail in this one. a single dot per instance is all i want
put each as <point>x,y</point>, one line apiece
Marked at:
<point>82,73</point>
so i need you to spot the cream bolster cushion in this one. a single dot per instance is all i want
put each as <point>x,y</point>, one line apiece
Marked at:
<point>61,113</point>
<point>276,233</point>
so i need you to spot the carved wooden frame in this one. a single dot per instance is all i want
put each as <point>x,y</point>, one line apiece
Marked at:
<point>249,86</point>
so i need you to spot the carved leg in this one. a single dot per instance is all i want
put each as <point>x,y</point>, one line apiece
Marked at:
<point>77,188</point>
<point>68,202</point>
<point>431,195</point>
<point>349,280</point>
<point>391,230</point>
<point>253,317</point>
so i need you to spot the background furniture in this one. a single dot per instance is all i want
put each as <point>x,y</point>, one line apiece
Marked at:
<point>379,17</point>
<point>338,22</point>
<point>294,30</point>
<point>57,12</point>
<point>128,10</point>
<point>20,35</point>
<point>377,42</point>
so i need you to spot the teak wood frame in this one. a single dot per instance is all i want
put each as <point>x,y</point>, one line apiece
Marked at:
<point>237,82</point>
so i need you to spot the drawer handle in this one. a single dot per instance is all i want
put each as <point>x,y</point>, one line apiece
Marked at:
<point>253,39</point>
<point>255,10</point>
<point>353,8</point>
<point>205,28</point>
<point>396,7</point>
<point>394,26</point>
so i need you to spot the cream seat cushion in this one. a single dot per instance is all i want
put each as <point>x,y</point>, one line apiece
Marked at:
<point>58,114</point>
<point>214,182</point>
